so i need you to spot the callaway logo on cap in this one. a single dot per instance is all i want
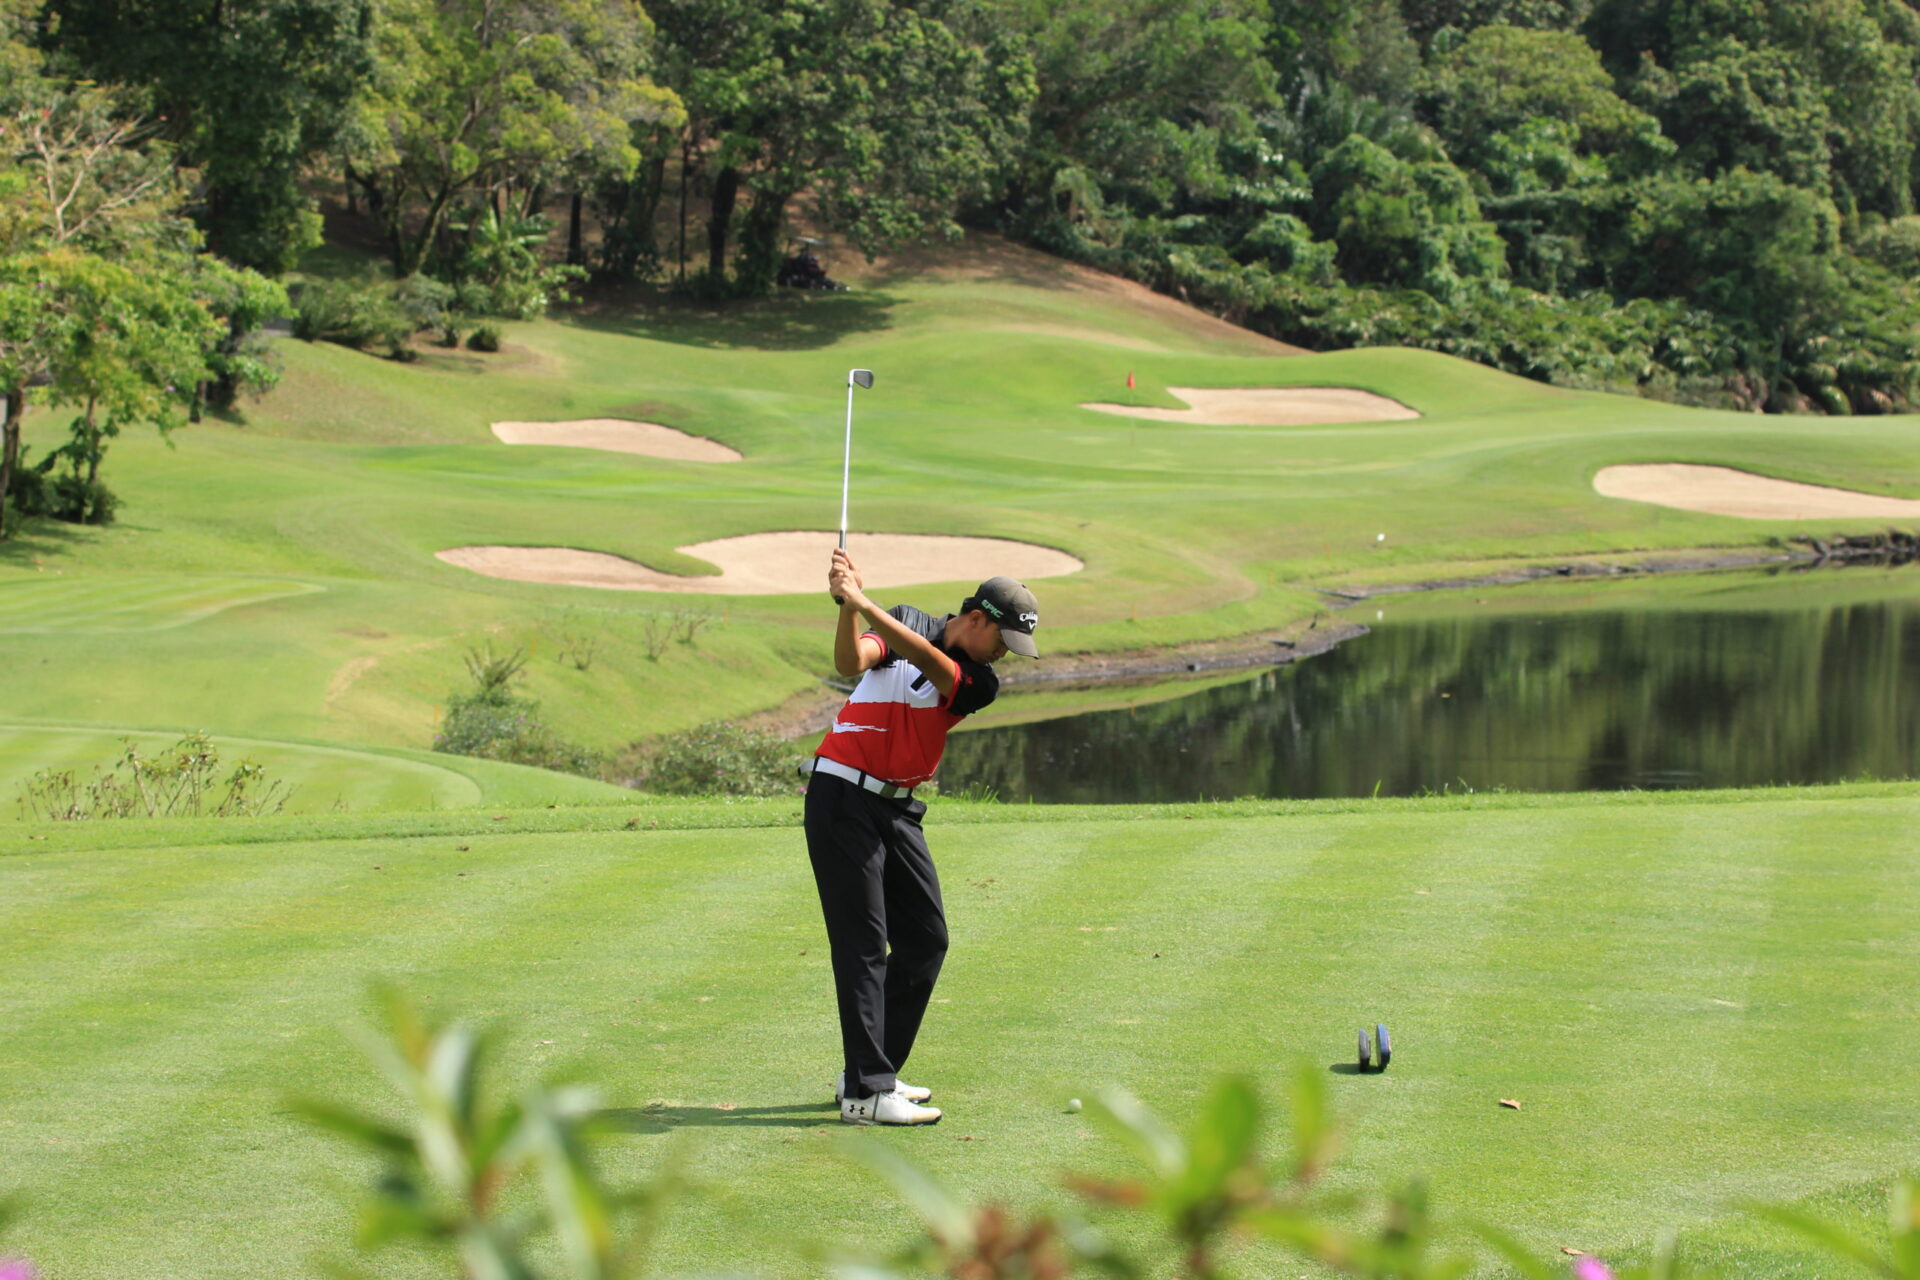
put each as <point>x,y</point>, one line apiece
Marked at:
<point>1014,608</point>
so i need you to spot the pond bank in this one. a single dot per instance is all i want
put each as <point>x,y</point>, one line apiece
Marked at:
<point>812,711</point>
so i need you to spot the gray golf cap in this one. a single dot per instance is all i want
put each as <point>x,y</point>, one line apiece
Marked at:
<point>1014,608</point>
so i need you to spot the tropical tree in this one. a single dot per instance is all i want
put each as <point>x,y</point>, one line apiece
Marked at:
<point>1398,223</point>
<point>476,98</point>
<point>1502,78</point>
<point>1364,46</point>
<point>888,116</point>
<point>1839,73</point>
<point>134,349</point>
<point>251,92</point>
<point>104,300</point>
<point>1134,97</point>
<point>1428,18</point>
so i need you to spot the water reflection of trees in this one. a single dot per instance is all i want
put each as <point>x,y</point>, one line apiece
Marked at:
<point>1596,701</point>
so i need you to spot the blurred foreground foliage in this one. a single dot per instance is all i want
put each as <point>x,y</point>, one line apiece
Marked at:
<point>451,1167</point>
<point>490,1186</point>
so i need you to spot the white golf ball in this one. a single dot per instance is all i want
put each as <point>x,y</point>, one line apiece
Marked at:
<point>1379,537</point>
<point>1073,1104</point>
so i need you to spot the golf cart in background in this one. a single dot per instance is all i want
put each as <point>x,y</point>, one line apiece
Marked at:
<point>802,269</point>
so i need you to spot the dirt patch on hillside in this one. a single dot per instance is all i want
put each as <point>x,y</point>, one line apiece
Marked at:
<point>1080,334</point>
<point>1723,491</point>
<point>1269,407</point>
<point>785,563</point>
<point>617,435</point>
<point>988,257</point>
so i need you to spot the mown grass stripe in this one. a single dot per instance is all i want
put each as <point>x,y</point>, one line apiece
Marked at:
<point>125,604</point>
<point>604,941</point>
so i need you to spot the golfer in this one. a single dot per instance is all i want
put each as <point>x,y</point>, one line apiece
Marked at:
<point>919,676</point>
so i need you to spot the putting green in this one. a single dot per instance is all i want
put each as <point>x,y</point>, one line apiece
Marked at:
<point>1699,1000</point>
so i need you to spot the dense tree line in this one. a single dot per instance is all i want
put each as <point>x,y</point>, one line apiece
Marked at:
<point>1709,200</point>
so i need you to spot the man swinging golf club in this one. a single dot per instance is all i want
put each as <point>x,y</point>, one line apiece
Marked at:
<point>918,677</point>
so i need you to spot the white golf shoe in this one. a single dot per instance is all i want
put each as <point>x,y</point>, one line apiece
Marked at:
<point>886,1108</point>
<point>911,1092</point>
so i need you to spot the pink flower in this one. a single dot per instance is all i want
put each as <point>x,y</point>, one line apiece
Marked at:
<point>1591,1268</point>
<point>15,1269</point>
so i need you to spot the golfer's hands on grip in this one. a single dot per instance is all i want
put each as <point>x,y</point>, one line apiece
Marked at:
<point>843,579</point>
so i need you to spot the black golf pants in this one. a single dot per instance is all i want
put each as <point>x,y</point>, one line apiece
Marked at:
<point>886,927</point>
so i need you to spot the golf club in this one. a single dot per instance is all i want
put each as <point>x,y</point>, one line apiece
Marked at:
<point>862,378</point>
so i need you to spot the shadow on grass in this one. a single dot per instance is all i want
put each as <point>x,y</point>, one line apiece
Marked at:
<point>785,322</point>
<point>661,1118</point>
<point>38,537</point>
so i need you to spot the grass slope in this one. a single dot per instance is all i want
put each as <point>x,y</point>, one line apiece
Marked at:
<point>1698,999</point>
<point>322,777</point>
<point>274,574</point>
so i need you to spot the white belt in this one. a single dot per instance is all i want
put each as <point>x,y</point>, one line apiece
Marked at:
<point>858,777</point>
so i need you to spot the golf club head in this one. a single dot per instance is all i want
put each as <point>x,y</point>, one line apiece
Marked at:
<point>1366,1050</point>
<point>862,378</point>
<point>1383,1047</point>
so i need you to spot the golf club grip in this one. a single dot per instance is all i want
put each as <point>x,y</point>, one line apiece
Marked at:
<point>843,547</point>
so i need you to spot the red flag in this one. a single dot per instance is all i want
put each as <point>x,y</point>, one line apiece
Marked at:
<point>1129,379</point>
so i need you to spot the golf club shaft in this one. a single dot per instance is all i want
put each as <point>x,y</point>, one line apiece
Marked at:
<point>846,474</point>
<point>846,467</point>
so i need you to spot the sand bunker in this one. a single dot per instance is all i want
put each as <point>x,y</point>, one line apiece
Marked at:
<point>763,564</point>
<point>1270,407</point>
<point>1722,491</point>
<point>618,436</point>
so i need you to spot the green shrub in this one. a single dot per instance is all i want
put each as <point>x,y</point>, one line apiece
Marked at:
<point>1894,244</point>
<point>40,490</point>
<point>27,489</point>
<point>495,725</point>
<point>502,271</point>
<point>178,782</point>
<point>494,671</point>
<point>78,500</point>
<point>718,759</point>
<point>484,338</point>
<point>424,302</point>
<point>352,315</point>
<point>490,723</point>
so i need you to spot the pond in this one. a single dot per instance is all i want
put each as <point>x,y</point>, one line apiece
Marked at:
<point>1735,692</point>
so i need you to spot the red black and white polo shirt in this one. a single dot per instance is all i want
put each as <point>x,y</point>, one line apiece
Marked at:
<point>895,725</point>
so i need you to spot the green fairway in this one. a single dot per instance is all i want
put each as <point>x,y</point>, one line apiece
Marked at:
<point>1697,999</point>
<point>278,568</point>
<point>104,603</point>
